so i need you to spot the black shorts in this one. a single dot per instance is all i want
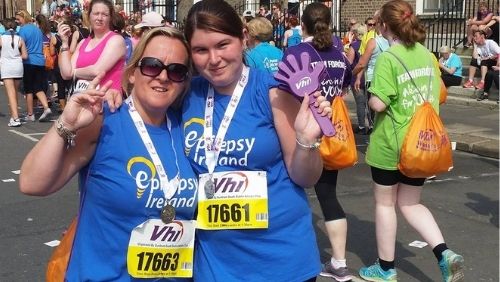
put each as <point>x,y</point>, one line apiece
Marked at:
<point>392,177</point>
<point>488,63</point>
<point>34,79</point>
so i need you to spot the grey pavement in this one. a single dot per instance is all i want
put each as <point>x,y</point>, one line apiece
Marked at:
<point>472,133</point>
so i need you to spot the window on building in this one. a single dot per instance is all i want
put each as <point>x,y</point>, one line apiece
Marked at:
<point>433,6</point>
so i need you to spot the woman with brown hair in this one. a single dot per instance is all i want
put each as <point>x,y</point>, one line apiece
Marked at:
<point>404,75</point>
<point>275,159</point>
<point>103,51</point>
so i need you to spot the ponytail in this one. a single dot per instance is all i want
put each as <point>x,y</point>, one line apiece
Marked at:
<point>12,35</point>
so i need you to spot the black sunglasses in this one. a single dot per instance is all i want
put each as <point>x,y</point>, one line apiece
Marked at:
<point>370,24</point>
<point>152,67</point>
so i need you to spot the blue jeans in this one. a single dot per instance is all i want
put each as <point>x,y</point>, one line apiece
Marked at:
<point>360,99</point>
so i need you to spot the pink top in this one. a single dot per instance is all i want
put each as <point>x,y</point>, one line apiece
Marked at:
<point>88,58</point>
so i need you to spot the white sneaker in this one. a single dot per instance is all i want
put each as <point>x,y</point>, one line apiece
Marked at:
<point>14,122</point>
<point>45,115</point>
<point>28,118</point>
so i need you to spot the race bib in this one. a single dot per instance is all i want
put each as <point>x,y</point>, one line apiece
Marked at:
<point>80,86</point>
<point>159,250</point>
<point>233,200</point>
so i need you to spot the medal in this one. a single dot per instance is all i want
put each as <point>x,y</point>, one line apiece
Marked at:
<point>167,214</point>
<point>209,189</point>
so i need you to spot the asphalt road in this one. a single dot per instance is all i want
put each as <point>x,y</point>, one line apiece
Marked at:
<point>464,202</point>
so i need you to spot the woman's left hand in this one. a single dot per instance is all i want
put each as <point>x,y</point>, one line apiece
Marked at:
<point>307,128</point>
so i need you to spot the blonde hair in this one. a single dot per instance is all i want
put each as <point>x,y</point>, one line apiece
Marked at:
<point>359,29</point>
<point>446,49</point>
<point>169,32</point>
<point>260,28</point>
<point>26,15</point>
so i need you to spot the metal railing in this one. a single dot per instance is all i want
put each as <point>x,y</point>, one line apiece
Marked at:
<point>167,8</point>
<point>448,25</point>
<point>280,24</point>
<point>445,27</point>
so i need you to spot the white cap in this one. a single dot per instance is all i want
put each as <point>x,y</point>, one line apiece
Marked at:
<point>151,19</point>
<point>249,13</point>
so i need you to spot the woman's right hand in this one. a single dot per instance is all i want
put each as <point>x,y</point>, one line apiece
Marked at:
<point>357,84</point>
<point>82,108</point>
<point>114,99</point>
<point>64,31</point>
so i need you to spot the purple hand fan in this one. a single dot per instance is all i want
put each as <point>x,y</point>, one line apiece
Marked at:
<point>304,80</point>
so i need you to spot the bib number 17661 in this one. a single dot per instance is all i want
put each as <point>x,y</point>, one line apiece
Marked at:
<point>225,212</point>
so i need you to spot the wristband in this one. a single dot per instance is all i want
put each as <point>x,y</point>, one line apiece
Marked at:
<point>313,146</point>
<point>63,49</point>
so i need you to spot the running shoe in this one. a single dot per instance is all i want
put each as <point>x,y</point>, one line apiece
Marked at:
<point>482,97</point>
<point>29,118</point>
<point>468,84</point>
<point>45,115</point>
<point>480,85</point>
<point>14,122</point>
<point>376,273</point>
<point>452,266</point>
<point>340,274</point>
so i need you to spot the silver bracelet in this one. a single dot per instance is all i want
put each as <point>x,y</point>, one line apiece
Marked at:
<point>65,133</point>
<point>313,146</point>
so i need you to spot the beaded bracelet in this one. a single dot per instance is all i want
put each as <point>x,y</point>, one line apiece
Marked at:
<point>313,146</point>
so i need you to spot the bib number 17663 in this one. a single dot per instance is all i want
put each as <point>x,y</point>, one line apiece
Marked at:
<point>157,261</point>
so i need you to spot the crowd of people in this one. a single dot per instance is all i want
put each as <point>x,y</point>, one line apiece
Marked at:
<point>164,127</point>
<point>482,36</point>
<point>63,47</point>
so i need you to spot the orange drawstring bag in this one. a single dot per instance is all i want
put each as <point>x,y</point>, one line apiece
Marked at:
<point>58,263</point>
<point>426,149</point>
<point>339,151</point>
<point>443,93</point>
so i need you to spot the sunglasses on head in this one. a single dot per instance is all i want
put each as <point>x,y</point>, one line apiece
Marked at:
<point>152,67</point>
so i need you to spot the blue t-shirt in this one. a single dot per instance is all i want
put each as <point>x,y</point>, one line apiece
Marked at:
<point>295,38</point>
<point>381,45</point>
<point>33,37</point>
<point>454,62</point>
<point>120,193</point>
<point>130,48</point>
<point>264,56</point>
<point>338,70</point>
<point>287,250</point>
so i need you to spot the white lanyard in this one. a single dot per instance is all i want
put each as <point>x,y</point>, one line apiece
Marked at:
<point>168,187</point>
<point>212,147</point>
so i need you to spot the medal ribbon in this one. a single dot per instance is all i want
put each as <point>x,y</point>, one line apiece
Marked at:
<point>168,187</point>
<point>212,147</point>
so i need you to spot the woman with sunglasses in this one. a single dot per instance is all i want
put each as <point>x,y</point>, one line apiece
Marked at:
<point>138,191</point>
<point>254,148</point>
<point>103,51</point>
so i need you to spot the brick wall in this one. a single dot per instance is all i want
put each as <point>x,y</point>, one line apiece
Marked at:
<point>362,9</point>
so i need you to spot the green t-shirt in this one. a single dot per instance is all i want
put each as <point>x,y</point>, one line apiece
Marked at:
<point>392,84</point>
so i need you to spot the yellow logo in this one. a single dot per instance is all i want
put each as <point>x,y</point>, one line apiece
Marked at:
<point>141,174</point>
